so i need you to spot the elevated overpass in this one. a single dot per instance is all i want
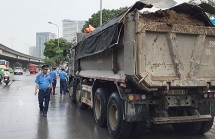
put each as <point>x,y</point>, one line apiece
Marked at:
<point>14,56</point>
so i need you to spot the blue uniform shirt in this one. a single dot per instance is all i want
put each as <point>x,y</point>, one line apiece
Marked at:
<point>53,74</point>
<point>43,81</point>
<point>62,75</point>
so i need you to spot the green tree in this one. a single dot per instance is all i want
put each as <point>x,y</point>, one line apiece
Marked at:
<point>50,61</point>
<point>107,14</point>
<point>52,51</point>
<point>211,2</point>
<point>17,64</point>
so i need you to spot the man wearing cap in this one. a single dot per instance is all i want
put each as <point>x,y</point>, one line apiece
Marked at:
<point>63,77</point>
<point>53,74</point>
<point>44,84</point>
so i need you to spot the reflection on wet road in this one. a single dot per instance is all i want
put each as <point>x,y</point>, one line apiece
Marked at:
<point>20,119</point>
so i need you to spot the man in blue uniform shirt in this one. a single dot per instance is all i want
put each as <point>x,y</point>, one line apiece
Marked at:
<point>63,77</point>
<point>44,84</point>
<point>53,74</point>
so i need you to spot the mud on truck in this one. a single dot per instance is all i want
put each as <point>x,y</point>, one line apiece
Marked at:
<point>154,68</point>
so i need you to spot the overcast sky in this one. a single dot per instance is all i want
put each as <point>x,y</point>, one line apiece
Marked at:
<point>21,19</point>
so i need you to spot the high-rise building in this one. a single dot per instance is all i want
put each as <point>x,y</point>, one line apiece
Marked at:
<point>41,38</point>
<point>32,51</point>
<point>71,28</point>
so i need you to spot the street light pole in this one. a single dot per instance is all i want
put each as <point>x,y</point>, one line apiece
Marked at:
<point>12,41</point>
<point>57,29</point>
<point>100,12</point>
<point>26,48</point>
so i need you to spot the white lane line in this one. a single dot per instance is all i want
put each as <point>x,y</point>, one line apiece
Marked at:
<point>20,102</point>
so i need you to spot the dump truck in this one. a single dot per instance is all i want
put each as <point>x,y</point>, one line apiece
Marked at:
<point>156,68</point>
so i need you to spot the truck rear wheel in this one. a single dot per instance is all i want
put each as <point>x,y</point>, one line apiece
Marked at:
<point>80,104</point>
<point>73,99</point>
<point>191,128</point>
<point>117,127</point>
<point>138,129</point>
<point>206,126</point>
<point>100,106</point>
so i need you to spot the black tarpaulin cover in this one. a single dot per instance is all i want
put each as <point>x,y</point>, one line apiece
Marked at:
<point>97,43</point>
<point>104,36</point>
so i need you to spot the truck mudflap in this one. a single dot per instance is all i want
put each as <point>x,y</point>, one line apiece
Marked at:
<point>207,106</point>
<point>136,112</point>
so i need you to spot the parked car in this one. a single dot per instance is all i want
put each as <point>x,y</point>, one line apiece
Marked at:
<point>18,70</point>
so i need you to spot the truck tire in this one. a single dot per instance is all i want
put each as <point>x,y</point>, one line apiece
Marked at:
<point>206,126</point>
<point>100,106</point>
<point>191,128</point>
<point>137,129</point>
<point>117,127</point>
<point>73,99</point>
<point>80,104</point>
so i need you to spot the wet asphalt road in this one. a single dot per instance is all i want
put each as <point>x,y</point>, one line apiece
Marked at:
<point>20,119</point>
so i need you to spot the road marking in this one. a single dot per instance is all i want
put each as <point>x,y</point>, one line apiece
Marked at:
<point>20,102</point>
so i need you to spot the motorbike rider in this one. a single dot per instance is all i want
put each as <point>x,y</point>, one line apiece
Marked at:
<point>6,73</point>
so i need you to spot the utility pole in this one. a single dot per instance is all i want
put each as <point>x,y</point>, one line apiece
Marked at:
<point>100,12</point>
<point>12,41</point>
<point>26,48</point>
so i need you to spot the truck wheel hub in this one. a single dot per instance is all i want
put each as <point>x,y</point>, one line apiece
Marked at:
<point>78,95</point>
<point>98,108</point>
<point>113,117</point>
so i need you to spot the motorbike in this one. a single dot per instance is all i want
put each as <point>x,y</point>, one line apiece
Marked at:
<point>6,80</point>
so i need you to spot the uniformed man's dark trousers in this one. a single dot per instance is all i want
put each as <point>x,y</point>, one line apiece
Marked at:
<point>54,85</point>
<point>63,86</point>
<point>41,96</point>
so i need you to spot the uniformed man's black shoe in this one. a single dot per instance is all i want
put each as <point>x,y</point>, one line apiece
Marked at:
<point>45,115</point>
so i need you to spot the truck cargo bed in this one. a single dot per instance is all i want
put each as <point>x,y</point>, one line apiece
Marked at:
<point>175,49</point>
<point>179,55</point>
